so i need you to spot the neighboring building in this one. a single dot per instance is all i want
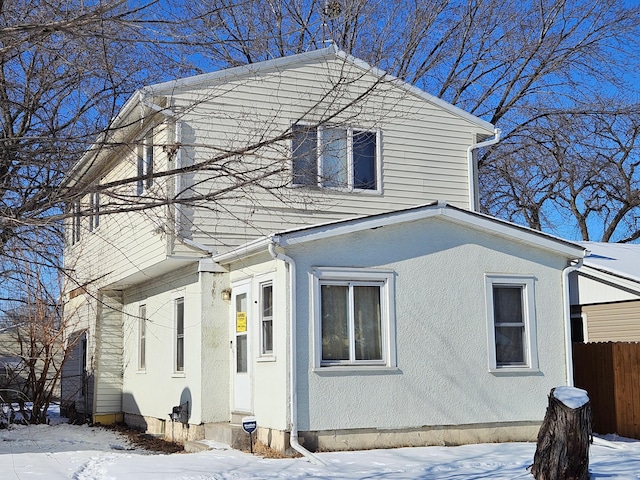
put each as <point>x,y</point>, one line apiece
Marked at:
<point>323,300</point>
<point>605,294</point>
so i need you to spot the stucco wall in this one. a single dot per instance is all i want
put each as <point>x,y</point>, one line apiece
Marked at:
<point>443,376</point>
<point>269,374</point>
<point>155,390</point>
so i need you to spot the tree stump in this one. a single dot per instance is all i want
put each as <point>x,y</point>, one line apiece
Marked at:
<point>562,451</point>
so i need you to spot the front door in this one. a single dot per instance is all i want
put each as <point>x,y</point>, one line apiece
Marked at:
<point>241,351</point>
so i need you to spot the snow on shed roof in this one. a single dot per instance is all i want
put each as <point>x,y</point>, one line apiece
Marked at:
<point>619,259</point>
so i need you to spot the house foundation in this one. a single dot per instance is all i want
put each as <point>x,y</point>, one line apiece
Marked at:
<point>370,438</point>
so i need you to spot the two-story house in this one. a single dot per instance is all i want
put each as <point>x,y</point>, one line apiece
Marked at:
<point>296,240</point>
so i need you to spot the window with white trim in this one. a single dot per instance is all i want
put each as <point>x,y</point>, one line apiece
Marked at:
<point>76,225</point>
<point>145,163</point>
<point>354,321</point>
<point>511,322</point>
<point>335,157</point>
<point>266,319</point>
<point>179,331</point>
<point>94,210</point>
<point>142,337</point>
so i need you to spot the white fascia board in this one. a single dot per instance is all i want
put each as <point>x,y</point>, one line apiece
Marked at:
<point>243,251</point>
<point>610,278</point>
<point>516,232</point>
<point>419,92</point>
<point>168,88</point>
<point>123,123</point>
<point>469,219</point>
<point>345,227</point>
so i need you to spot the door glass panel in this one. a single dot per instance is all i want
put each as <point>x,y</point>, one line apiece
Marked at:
<point>241,353</point>
<point>241,333</point>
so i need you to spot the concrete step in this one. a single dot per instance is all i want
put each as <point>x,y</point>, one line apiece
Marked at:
<point>227,433</point>
<point>193,446</point>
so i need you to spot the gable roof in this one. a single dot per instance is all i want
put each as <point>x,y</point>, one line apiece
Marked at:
<point>145,101</point>
<point>439,209</point>
<point>314,56</point>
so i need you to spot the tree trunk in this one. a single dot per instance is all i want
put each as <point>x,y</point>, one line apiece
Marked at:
<point>562,451</point>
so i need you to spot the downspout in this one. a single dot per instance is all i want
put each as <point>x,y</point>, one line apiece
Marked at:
<point>472,165</point>
<point>293,397</point>
<point>572,267</point>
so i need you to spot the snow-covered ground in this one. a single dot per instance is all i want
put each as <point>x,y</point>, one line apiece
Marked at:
<point>61,451</point>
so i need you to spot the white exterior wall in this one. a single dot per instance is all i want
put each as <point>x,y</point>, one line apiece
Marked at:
<point>443,374</point>
<point>124,243</point>
<point>423,153</point>
<point>270,389</point>
<point>592,291</point>
<point>154,391</point>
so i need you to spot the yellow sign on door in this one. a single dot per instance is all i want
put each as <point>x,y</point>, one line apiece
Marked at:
<point>241,321</point>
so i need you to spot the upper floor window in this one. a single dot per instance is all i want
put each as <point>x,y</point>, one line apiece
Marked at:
<point>94,211</point>
<point>335,157</point>
<point>76,225</point>
<point>145,163</point>
<point>511,322</point>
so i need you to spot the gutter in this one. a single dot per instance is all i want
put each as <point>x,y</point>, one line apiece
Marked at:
<point>293,397</point>
<point>472,165</point>
<point>572,267</point>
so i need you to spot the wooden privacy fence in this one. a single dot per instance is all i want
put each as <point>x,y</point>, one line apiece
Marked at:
<point>610,373</point>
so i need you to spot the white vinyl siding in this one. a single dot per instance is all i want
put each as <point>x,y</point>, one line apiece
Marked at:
<point>422,149</point>
<point>613,322</point>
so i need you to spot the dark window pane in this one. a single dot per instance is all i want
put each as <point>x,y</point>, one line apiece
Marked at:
<point>241,353</point>
<point>180,335</point>
<point>267,300</point>
<point>577,329</point>
<point>180,317</point>
<point>267,336</point>
<point>368,323</point>
<point>510,346</point>
<point>148,159</point>
<point>364,160</point>
<point>335,331</point>
<point>304,149</point>
<point>507,304</point>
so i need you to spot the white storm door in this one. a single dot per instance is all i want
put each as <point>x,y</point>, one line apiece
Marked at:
<point>241,351</point>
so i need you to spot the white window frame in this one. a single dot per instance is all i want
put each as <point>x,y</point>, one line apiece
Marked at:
<point>142,337</point>
<point>337,275</point>
<point>526,283</point>
<point>94,211</point>
<point>178,336</point>
<point>350,163</point>
<point>263,352</point>
<point>145,162</point>
<point>76,222</point>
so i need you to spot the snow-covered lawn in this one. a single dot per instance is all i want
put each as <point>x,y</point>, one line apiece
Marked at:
<point>61,451</point>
